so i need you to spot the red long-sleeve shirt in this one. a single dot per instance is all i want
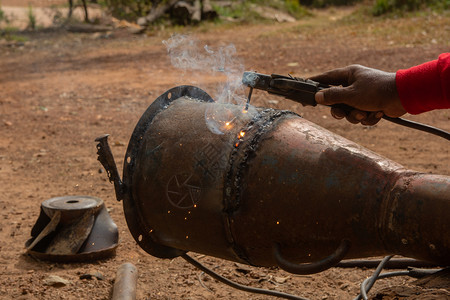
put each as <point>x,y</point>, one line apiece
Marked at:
<point>425,87</point>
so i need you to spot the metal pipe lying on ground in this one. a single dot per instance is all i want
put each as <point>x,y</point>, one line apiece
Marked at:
<point>268,188</point>
<point>125,283</point>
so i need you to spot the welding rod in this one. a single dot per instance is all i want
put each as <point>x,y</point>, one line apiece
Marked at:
<point>125,284</point>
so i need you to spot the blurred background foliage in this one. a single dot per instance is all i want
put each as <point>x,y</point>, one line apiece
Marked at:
<point>250,11</point>
<point>132,9</point>
<point>381,7</point>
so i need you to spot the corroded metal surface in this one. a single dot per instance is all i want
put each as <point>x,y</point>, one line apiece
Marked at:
<point>73,228</point>
<point>273,189</point>
<point>126,282</point>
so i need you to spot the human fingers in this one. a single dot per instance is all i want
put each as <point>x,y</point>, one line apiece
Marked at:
<point>356,116</point>
<point>338,113</point>
<point>334,95</point>
<point>372,118</point>
<point>338,76</point>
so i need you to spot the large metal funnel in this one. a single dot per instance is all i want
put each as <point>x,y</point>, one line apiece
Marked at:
<point>273,189</point>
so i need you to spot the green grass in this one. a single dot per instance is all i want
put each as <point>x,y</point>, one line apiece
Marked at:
<point>2,15</point>
<point>239,11</point>
<point>291,7</point>
<point>242,11</point>
<point>17,38</point>
<point>31,18</point>
<point>400,7</point>
<point>328,3</point>
<point>9,33</point>
<point>424,27</point>
<point>405,28</point>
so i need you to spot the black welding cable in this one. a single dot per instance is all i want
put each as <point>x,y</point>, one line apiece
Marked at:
<point>371,280</point>
<point>237,285</point>
<point>413,273</point>
<point>419,126</point>
<point>365,289</point>
<point>396,263</point>
<point>368,283</point>
<point>407,123</point>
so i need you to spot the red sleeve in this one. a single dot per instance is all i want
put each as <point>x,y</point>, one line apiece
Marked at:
<point>425,87</point>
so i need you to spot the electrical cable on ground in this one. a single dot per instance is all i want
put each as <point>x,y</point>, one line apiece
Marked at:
<point>395,263</point>
<point>368,283</point>
<point>237,285</point>
<point>366,288</point>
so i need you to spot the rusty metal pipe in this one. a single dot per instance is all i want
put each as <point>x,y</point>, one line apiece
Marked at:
<point>272,188</point>
<point>125,283</point>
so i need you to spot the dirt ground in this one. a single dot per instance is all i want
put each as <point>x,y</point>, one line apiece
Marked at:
<point>59,91</point>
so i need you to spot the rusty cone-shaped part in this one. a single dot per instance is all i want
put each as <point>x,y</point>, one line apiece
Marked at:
<point>273,189</point>
<point>73,228</point>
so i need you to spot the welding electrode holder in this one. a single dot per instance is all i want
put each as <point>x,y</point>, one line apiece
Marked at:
<point>294,88</point>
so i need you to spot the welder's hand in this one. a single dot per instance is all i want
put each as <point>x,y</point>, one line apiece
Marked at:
<point>370,91</point>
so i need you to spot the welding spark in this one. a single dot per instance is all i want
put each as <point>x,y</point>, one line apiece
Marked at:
<point>229,122</point>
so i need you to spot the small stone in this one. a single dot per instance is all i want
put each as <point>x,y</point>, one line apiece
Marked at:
<point>280,280</point>
<point>91,275</point>
<point>242,268</point>
<point>56,281</point>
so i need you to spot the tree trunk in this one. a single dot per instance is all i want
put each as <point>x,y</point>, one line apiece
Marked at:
<point>156,13</point>
<point>208,12</point>
<point>197,11</point>
<point>86,17</point>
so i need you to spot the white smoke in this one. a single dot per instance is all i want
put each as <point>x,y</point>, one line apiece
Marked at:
<point>198,62</point>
